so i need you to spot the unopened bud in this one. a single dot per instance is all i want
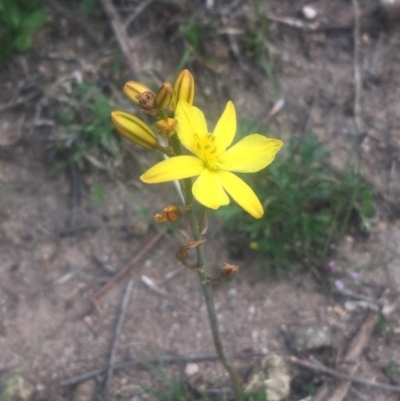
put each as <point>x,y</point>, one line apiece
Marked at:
<point>164,96</point>
<point>166,128</point>
<point>171,214</point>
<point>184,88</point>
<point>134,129</point>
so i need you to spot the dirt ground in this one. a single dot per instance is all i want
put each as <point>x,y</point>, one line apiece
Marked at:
<point>58,246</point>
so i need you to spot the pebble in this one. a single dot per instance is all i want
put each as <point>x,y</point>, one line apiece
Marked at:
<point>138,226</point>
<point>273,378</point>
<point>309,12</point>
<point>21,390</point>
<point>84,391</point>
<point>191,369</point>
<point>306,338</point>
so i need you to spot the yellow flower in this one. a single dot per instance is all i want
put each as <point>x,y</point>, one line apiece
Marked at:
<point>213,163</point>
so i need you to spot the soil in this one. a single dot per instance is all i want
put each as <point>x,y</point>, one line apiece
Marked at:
<point>58,245</point>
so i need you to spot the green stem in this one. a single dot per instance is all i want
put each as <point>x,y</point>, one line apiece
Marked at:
<point>205,284</point>
<point>208,296</point>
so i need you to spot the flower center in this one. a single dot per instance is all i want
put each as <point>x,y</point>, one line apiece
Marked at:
<point>207,150</point>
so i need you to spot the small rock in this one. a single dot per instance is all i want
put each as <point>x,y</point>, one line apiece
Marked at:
<point>352,306</point>
<point>306,338</point>
<point>21,390</point>
<point>85,391</point>
<point>309,12</point>
<point>138,226</point>
<point>191,369</point>
<point>232,297</point>
<point>273,377</point>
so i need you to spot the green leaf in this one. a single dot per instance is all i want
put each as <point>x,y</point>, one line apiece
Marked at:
<point>34,21</point>
<point>87,6</point>
<point>12,14</point>
<point>22,42</point>
<point>98,193</point>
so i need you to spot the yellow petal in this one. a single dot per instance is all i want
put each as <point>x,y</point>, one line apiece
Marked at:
<point>134,129</point>
<point>184,88</point>
<point>242,194</point>
<point>225,129</point>
<point>172,169</point>
<point>251,154</point>
<point>191,123</point>
<point>133,88</point>
<point>208,190</point>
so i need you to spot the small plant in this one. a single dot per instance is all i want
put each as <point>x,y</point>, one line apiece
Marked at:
<point>207,173</point>
<point>307,208</point>
<point>86,125</point>
<point>392,369</point>
<point>19,19</point>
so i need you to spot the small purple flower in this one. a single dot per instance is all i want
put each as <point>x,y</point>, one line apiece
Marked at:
<point>333,247</point>
<point>333,267</point>
<point>354,275</point>
<point>339,285</point>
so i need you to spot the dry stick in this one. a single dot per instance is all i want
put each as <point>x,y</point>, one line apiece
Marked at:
<point>113,353</point>
<point>357,73</point>
<point>307,26</point>
<point>139,9</point>
<point>161,360</point>
<point>356,347</point>
<point>342,376</point>
<point>354,351</point>
<point>19,101</point>
<point>88,306</point>
<point>76,19</point>
<point>120,34</point>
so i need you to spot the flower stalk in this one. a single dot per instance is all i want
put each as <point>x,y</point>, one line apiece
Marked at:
<point>209,298</point>
<point>214,161</point>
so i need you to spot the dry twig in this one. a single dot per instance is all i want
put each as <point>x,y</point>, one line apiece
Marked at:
<point>357,73</point>
<point>138,10</point>
<point>161,360</point>
<point>86,308</point>
<point>122,38</point>
<point>342,376</point>
<point>118,328</point>
<point>354,351</point>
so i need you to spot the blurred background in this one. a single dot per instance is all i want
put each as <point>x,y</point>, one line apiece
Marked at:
<point>319,273</point>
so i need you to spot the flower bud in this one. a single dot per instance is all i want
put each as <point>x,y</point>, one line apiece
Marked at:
<point>134,129</point>
<point>184,88</point>
<point>133,89</point>
<point>164,96</point>
<point>171,214</point>
<point>166,127</point>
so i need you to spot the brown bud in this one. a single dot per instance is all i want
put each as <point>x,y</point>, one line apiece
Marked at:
<point>147,101</point>
<point>227,270</point>
<point>171,214</point>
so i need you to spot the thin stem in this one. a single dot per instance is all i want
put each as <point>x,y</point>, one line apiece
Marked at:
<point>208,296</point>
<point>205,284</point>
